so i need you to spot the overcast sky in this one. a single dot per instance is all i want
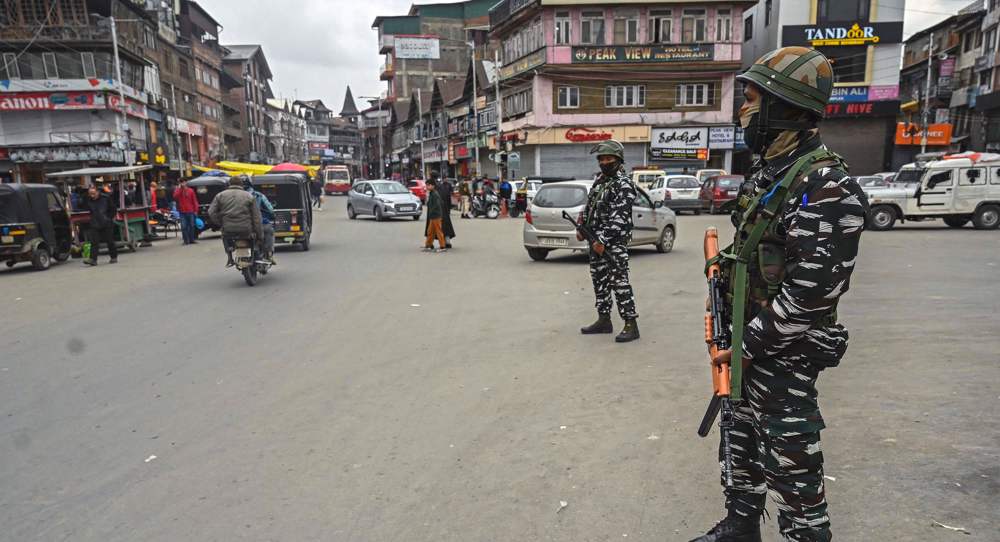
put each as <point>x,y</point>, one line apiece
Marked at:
<point>317,47</point>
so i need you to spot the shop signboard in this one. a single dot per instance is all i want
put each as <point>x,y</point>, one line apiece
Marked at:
<point>679,154</point>
<point>417,48</point>
<point>842,34</point>
<point>318,146</point>
<point>51,101</point>
<point>849,94</point>
<point>865,109</point>
<point>913,134</point>
<point>721,137</point>
<point>646,54</point>
<point>134,108</point>
<point>685,137</point>
<point>523,64</point>
<point>878,93</point>
<point>69,153</point>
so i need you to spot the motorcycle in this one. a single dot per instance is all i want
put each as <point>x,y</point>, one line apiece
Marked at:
<point>245,255</point>
<point>487,205</point>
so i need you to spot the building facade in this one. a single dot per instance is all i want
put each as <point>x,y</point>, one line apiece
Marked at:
<point>657,76</point>
<point>246,63</point>
<point>863,40</point>
<point>286,132</point>
<point>200,33</point>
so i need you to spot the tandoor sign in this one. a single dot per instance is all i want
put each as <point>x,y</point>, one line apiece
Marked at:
<point>645,54</point>
<point>829,35</point>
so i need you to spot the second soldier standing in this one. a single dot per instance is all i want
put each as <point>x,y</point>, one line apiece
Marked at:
<point>609,215</point>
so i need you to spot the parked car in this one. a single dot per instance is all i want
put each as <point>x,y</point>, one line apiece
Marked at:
<point>719,190</point>
<point>383,200</point>
<point>679,192</point>
<point>545,229</point>
<point>704,174</point>
<point>419,188</point>
<point>643,178</point>
<point>959,189</point>
<point>336,180</point>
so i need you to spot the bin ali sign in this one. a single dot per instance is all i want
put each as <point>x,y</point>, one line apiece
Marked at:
<point>684,143</point>
<point>645,54</point>
<point>417,48</point>
<point>833,34</point>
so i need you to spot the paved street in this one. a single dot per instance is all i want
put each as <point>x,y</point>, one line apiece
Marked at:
<point>365,391</point>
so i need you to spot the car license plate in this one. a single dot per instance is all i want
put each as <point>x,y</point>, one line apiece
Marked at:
<point>553,241</point>
<point>731,192</point>
<point>6,239</point>
<point>405,207</point>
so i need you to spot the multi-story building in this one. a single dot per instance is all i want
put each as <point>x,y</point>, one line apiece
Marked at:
<point>430,42</point>
<point>286,136</point>
<point>59,95</point>
<point>247,63</point>
<point>984,124</point>
<point>656,75</point>
<point>376,135</point>
<point>863,40</point>
<point>200,32</point>
<point>318,120</point>
<point>345,136</point>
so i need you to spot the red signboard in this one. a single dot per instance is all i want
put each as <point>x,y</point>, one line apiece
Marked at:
<point>134,109</point>
<point>315,146</point>
<point>586,135</point>
<point>47,101</point>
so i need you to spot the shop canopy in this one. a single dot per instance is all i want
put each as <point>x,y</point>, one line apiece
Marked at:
<point>236,168</point>
<point>100,171</point>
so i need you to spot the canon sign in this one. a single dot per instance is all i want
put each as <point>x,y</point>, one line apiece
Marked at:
<point>586,135</point>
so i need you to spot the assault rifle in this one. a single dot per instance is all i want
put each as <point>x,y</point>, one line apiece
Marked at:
<point>587,234</point>
<point>718,337</point>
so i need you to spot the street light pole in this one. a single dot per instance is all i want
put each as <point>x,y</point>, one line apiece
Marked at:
<point>122,134</point>
<point>475,105</point>
<point>499,101</point>
<point>927,94</point>
<point>420,120</point>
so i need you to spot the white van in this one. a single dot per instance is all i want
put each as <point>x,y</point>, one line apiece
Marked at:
<point>960,188</point>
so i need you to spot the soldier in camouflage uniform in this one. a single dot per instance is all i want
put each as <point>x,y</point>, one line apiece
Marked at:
<point>609,215</point>
<point>811,215</point>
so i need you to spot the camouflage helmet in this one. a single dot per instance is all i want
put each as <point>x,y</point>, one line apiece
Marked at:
<point>609,147</point>
<point>798,76</point>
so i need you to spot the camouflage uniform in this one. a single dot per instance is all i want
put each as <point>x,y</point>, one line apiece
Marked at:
<point>609,214</point>
<point>803,266</point>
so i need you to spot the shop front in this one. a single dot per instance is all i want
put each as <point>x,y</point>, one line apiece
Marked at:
<point>684,149</point>
<point>565,151</point>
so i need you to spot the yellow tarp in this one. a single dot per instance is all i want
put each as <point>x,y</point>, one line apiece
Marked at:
<point>255,169</point>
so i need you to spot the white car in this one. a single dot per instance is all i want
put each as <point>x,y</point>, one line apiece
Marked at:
<point>678,192</point>
<point>546,230</point>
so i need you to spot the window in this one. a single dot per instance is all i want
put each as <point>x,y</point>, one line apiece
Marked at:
<point>569,97</point>
<point>592,27</point>
<point>641,200</point>
<point>985,77</point>
<point>8,68</point>
<point>51,72</point>
<point>972,176</point>
<point>748,28</point>
<point>967,40</point>
<point>767,13</point>
<point>69,65</point>
<point>695,94</point>
<point>89,70</point>
<point>693,26</point>
<point>849,63</point>
<point>625,96</point>
<point>723,25</point>
<point>660,26</point>
<point>563,24</point>
<point>991,40</point>
<point>940,179</point>
<point>841,10</point>
<point>626,26</point>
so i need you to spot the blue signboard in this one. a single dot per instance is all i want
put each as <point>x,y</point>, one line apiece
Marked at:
<point>849,95</point>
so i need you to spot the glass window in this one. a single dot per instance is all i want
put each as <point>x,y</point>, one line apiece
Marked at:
<point>8,68</point>
<point>641,200</point>
<point>940,179</point>
<point>683,182</point>
<point>51,70</point>
<point>69,65</point>
<point>563,25</point>
<point>693,26</point>
<point>748,28</point>
<point>560,196</point>
<point>723,25</point>
<point>626,26</point>
<point>569,97</point>
<point>660,26</point>
<point>625,96</point>
<point>695,94</point>
<point>592,27</point>
<point>841,10</point>
<point>849,63</point>
<point>89,69</point>
<point>767,13</point>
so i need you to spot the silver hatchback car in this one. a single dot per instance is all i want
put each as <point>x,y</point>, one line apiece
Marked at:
<point>546,230</point>
<point>382,199</point>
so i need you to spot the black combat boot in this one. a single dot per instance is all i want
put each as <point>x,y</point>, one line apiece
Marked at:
<point>602,325</point>
<point>629,333</point>
<point>733,529</point>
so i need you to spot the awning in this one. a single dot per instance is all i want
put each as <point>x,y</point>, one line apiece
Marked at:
<point>100,171</point>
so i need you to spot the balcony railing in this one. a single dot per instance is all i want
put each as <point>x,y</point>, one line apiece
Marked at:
<point>507,9</point>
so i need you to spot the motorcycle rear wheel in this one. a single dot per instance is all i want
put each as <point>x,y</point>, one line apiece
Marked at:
<point>250,274</point>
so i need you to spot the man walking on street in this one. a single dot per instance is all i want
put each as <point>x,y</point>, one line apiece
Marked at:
<point>796,244</point>
<point>187,206</point>
<point>102,224</point>
<point>434,214</point>
<point>609,215</point>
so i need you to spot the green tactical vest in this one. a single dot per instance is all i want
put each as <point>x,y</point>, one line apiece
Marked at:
<point>754,265</point>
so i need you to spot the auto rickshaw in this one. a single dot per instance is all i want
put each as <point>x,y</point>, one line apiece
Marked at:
<point>289,194</point>
<point>205,189</point>
<point>34,225</point>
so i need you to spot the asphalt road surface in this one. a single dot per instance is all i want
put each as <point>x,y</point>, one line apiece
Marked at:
<point>365,391</point>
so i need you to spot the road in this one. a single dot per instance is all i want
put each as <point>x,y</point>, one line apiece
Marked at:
<point>365,391</point>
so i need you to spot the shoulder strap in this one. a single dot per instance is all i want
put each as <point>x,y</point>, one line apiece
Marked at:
<point>771,202</point>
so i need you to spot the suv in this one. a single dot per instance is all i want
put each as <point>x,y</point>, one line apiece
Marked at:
<point>960,188</point>
<point>643,178</point>
<point>546,230</point>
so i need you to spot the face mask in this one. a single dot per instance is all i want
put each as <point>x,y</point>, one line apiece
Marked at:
<point>751,134</point>
<point>609,170</point>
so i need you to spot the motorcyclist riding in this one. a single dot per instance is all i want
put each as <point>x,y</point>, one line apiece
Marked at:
<point>238,213</point>
<point>266,216</point>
